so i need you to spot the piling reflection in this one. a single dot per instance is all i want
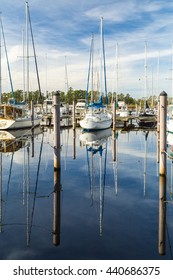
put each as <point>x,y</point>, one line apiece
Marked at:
<point>74,143</point>
<point>56,207</point>
<point>145,160</point>
<point>162,215</point>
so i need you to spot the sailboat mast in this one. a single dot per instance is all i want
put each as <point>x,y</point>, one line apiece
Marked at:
<point>102,61</point>
<point>101,53</point>
<point>89,70</point>
<point>92,65</point>
<point>145,66</point>
<point>104,67</point>
<point>66,78</point>
<point>0,71</point>
<point>27,53</point>
<point>23,64</point>
<point>36,65</point>
<point>117,54</point>
<point>172,74</point>
<point>8,65</point>
<point>158,72</point>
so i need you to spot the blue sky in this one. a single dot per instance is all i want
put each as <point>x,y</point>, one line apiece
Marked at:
<point>63,29</point>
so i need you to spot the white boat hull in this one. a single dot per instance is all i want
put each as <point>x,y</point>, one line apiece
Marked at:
<point>170,125</point>
<point>18,123</point>
<point>96,121</point>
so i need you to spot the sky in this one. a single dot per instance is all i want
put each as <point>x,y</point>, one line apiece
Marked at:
<point>138,38</point>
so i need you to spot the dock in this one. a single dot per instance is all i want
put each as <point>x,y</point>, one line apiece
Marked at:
<point>128,122</point>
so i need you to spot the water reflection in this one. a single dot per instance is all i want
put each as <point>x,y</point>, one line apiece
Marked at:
<point>96,152</point>
<point>56,207</point>
<point>37,217</point>
<point>11,143</point>
<point>162,215</point>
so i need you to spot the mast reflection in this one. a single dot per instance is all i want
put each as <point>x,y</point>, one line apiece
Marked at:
<point>96,149</point>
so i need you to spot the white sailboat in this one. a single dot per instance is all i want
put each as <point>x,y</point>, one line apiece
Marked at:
<point>121,107</point>
<point>97,117</point>
<point>148,117</point>
<point>15,115</point>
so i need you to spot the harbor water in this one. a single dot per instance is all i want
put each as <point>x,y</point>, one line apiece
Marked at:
<point>102,204</point>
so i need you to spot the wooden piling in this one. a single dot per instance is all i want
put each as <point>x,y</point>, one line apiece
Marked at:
<point>114,115</point>
<point>32,113</point>
<point>57,146</point>
<point>163,115</point>
<point>74,115</point>
<point>158,131</point>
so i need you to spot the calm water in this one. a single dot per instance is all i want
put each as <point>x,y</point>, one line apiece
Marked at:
<point>101,209</point>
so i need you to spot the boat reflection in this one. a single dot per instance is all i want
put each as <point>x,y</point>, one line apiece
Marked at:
<point>11,142</point>
<point>14,140</point>
<point>96,150</point>
<point>95,137</point>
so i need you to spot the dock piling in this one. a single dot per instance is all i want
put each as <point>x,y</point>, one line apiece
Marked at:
<point>114,115</point>
<point>57,145</point>
<point>163,115</point>
<point>74,115</point>
<point>158,131</point>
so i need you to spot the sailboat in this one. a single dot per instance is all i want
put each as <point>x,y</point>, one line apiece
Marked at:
<point>97,117</point>
<point>15,115</point>
<point>148,117</point>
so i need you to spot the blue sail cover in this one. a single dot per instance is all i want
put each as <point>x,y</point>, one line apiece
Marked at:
<point>12,101</point>
<point>97,104</point>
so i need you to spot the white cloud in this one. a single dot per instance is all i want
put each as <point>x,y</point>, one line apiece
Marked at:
<point>63,28</point>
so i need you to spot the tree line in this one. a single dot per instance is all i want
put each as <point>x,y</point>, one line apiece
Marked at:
<point>74,95</point>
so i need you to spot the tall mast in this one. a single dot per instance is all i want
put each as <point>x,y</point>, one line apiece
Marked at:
<point>145,66</point>
<point>0,72</point>
<point>23,64</point>
<point>35,58</point>
<point>8,64</point>
<point>66,78</point>
<point>27,53</point>
<point>117,55</point>
<point>158,72</point>
<point>89,70</point>
<point>104,67</point>
<point>101,53</point>
<point>92,66</point>
<point>102,61</point>
<point>172,75</point>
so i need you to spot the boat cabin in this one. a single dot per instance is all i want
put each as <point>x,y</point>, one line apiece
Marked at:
<point>10,112</point>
